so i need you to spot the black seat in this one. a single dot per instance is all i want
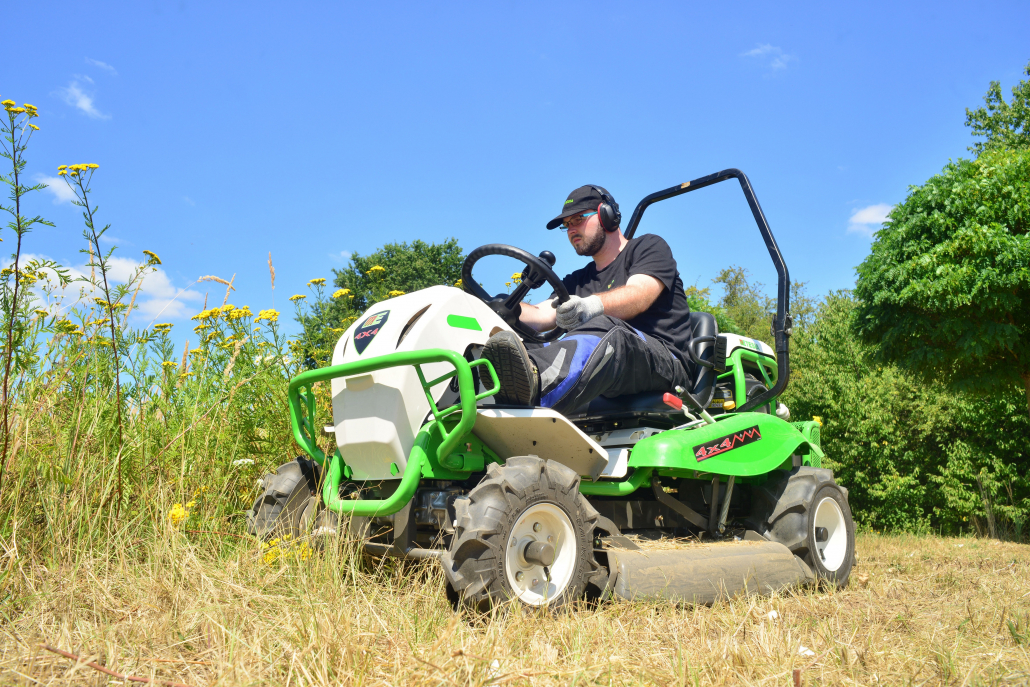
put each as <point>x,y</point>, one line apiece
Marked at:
<point>703,330</point>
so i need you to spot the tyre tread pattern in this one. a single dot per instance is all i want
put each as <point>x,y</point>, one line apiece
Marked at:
<point>474,562</point>
<point>287,492</point>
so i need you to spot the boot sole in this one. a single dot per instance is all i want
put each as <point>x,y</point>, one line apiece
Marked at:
<point>513,368</point>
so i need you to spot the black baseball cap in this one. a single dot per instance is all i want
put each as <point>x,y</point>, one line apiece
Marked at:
<point>583,199</point>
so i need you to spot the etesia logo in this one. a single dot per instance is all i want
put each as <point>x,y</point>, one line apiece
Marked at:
<point>367,330</point>
<point>568,201</point>
<point>749,344</point>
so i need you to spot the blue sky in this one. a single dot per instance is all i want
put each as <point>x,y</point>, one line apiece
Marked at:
<point>225,131</point>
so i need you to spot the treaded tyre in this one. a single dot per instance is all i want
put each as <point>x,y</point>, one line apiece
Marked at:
<point>528,502</point>
<point>806,511</point>
<point>289,500</point>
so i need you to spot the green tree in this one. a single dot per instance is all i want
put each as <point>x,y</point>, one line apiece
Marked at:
<point>393,270</point>
<point>945,291</point>
<point>407,268</point>
<point>1004,125</point>
<point>913,453</point>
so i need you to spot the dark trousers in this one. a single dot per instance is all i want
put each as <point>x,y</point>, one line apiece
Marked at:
<point>603,357</point>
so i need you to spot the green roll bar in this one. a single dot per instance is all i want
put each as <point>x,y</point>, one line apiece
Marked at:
<point>302,417</point>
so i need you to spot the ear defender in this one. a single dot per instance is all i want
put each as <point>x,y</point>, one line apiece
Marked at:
<point>608,213</point>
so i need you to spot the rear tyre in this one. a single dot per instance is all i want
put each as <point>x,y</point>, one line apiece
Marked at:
<point>806,511</point>
<point>289,500</point>
<point>522,511</point>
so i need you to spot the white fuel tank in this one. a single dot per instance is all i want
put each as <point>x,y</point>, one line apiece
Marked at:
<point>377,416</point>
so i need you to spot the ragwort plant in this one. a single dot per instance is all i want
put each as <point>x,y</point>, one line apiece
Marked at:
<point>17,129</point>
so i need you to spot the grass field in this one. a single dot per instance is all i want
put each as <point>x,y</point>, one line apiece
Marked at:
<point>212,609</point>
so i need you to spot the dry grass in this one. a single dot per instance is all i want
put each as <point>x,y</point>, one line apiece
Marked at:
<point>206,610</point>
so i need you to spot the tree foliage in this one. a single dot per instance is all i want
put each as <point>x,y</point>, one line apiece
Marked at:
<point>945,291</point>
<point>393,270</point>
<point>914,454</point>
<point>1004,125</point>
<point>407,268</point>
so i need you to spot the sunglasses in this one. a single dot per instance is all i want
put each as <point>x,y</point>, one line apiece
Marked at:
<point>575,220</point>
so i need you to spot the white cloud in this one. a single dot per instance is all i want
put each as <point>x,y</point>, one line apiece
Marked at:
<point>58,188</point>
<point>108,238</point>
<point>773,56</point>
<point>188,201</point>
<point>867,220</point>
<point>342,256</point>
<point>158,296</point>
<point>76,97</point>
<point>101,65</point>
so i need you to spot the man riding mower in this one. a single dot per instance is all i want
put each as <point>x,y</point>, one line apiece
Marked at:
<point>519,445</point>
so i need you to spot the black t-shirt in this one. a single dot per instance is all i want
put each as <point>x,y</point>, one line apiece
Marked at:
<point>668,318</point>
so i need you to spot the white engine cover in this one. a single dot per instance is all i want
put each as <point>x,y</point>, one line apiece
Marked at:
<point>377,416</point>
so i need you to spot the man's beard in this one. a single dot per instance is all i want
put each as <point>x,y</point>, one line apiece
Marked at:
<point>590,247</point>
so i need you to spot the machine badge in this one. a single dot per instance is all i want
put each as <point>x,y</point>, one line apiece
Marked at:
<point>727,443</point>
<point>367,330</point>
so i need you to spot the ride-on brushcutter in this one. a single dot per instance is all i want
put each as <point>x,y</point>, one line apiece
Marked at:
<point>525,503</point>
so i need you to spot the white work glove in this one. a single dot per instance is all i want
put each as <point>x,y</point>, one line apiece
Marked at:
<point>576,311</point>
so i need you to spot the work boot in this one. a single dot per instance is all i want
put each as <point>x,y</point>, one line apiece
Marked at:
<point>520,383</point>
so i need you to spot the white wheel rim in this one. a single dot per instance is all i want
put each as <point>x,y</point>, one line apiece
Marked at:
<point>543,522</point>
<point>832,551</point>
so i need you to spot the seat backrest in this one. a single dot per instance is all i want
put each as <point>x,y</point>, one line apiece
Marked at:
<point>703,324</point>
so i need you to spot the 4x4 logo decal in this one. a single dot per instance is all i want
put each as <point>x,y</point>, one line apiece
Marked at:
<point>367,330</point>
<point>727,443</point>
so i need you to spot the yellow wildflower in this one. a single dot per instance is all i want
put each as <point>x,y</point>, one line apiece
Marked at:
<point>458,284</point>
<point>62,173</point>
<point>395,293</point>
<point>16,110</point>
<point>239,313</point>
<point>316,282</point>
<point>340,292</point>
<point>508,284</point>
<point>376,268</point>
<point>60,167</point>
<point>100,301</point>
<point>228,307</point>
<point>8,103</point>
<point>29,106</point>
<point>92,165</point>
<point>517,277</point>
<point>34,127</point>
<point>73,173</point>
<point>269,315</point>
<point>169,364</point>
<point>152,258</point>
<point>40,312</point>
<point>298,297</point>
<point>177,514</point>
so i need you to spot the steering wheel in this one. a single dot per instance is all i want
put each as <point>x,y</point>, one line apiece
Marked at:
<point>537,273</point>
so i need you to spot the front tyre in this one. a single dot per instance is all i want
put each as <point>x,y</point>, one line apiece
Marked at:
<point>526,533</point>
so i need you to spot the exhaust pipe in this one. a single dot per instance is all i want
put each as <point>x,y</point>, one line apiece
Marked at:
<point>704,573</point>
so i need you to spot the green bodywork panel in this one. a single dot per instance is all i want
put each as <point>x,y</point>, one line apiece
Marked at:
<point>462,322</point>
<point>740,444</point>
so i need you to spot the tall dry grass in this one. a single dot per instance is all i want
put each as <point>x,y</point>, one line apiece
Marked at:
<point>147,599</point>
